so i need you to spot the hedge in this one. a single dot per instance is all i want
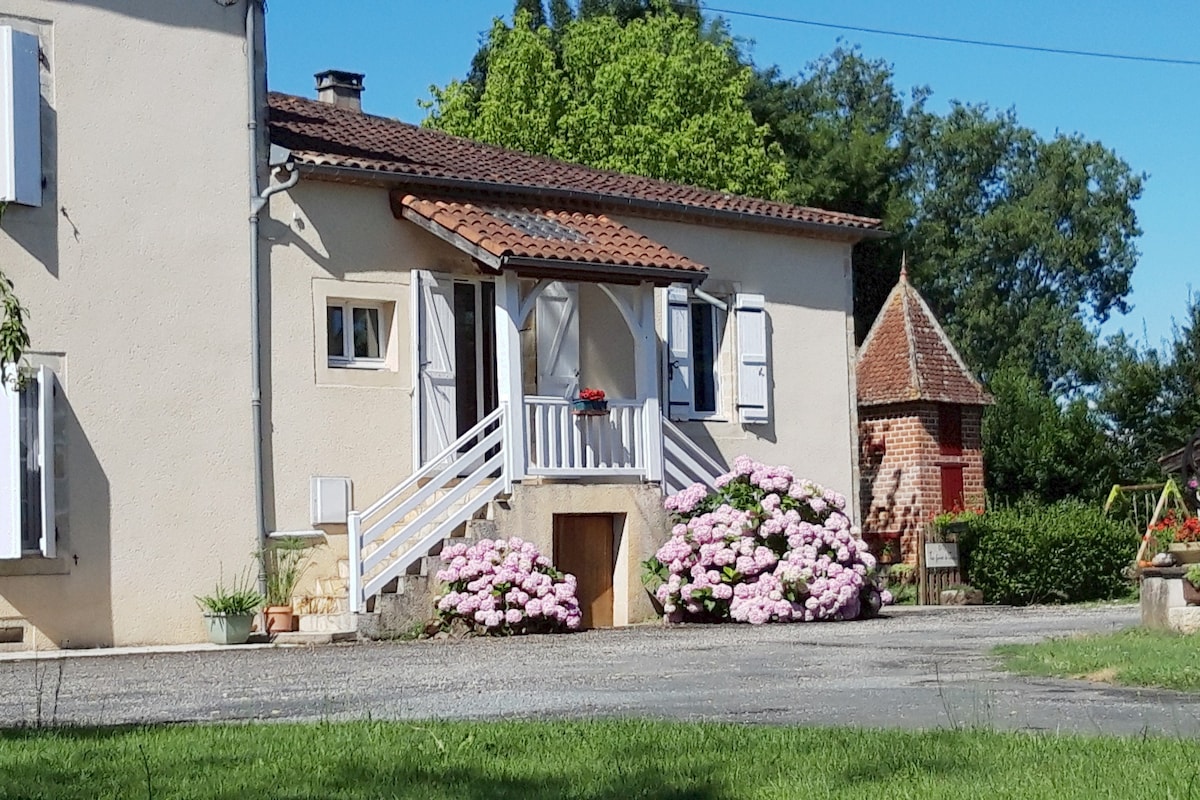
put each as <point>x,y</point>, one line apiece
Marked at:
<point>1063,553</point>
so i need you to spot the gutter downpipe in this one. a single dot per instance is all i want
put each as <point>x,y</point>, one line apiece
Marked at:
<point>258,201</point>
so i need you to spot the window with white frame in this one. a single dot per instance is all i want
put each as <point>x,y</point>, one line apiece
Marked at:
<point>27,513</point>
<point>697,340</point>
<point>708,332</point>
<point>356,334</point>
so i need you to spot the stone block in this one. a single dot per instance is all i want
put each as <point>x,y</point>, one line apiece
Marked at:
<point>1185,619</point>
<point>1158,597</point>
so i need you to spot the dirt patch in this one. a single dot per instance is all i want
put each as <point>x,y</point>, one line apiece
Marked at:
<point>1106,675</point>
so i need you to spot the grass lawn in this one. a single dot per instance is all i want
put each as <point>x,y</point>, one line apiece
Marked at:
<point>1132,657</point>
<point>618,759</point>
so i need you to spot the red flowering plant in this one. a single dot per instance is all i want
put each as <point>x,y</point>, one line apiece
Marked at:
<point>591,394</point>
<point>1175,527</point>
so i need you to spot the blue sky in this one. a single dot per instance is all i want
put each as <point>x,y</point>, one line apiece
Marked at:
<point>1147,113</point>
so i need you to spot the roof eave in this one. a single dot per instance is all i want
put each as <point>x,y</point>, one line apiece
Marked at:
<point>590,270</point>
<point>383,178</point>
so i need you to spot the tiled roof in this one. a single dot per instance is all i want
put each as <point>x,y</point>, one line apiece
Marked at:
<point>525,232</point>
<point>322,134</point>
<point>907,356</point>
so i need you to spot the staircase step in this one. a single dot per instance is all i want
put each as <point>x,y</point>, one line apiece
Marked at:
<point>314,638</point>
<point>342,622</point>
<point>335,587</point>
<point>321,604</point>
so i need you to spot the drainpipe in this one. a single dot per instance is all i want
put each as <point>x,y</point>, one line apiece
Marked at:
<point>258,201</point>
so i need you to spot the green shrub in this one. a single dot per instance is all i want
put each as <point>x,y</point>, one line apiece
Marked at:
<point>1063,553</point>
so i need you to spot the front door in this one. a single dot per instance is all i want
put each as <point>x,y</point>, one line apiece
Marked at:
<point>457,358</point>
<point>583,546</point>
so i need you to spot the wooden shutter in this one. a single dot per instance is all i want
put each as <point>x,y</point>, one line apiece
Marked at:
<point>557,312</point>
<point>753,373</point>
<point>10,466</point>
<point>437,406</point>
<point>48,539</point>
<point>952,487</point>
<point>679,354</point>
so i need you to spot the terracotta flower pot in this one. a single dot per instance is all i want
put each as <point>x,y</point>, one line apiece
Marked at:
<point>278,619</point>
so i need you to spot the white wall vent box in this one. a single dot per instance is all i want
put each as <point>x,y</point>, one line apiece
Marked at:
<point>330,498</point>
<point>20,119</point>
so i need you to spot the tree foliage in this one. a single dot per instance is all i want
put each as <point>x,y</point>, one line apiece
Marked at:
<point>1039,447</point>
<point>651,96</point>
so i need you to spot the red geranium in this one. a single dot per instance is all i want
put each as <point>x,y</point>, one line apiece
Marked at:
<point>591,394</point>
<point>1172,528</point>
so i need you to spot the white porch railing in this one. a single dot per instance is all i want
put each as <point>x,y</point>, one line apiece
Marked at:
<point>399,529</point>
<point>684,463</point>
<point>566,445</point>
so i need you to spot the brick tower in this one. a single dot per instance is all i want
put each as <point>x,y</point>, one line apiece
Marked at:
<point>919,414</point>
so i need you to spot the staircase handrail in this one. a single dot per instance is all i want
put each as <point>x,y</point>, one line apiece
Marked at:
<point>439,475</point>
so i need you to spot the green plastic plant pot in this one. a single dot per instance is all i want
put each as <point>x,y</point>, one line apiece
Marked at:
<point>229,628</point>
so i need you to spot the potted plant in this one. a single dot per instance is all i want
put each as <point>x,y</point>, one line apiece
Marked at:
<point>1191,585</point>
<point>229,611</point>
<point>284,561</point>
<point>589,403</point>
<point>1183,535</point>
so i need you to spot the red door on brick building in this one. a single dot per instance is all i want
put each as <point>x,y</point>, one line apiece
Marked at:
<point>952,487</point>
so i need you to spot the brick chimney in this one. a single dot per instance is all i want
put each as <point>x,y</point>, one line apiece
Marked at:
<point>342,89</point>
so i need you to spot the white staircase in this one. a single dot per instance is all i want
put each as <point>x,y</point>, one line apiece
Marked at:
<point>396,535</point>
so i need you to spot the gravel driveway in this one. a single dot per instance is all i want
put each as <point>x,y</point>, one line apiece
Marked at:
<point>915,668</point>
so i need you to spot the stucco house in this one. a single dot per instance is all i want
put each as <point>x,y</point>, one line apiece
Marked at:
<point>267,315</point>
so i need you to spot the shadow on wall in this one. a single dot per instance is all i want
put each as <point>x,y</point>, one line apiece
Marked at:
<point>217,16</point>
<point>36,229</point>
<point>884,511</point>
<point>74,609</point>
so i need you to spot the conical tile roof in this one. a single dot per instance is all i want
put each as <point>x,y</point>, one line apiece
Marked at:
<point>907,357</point>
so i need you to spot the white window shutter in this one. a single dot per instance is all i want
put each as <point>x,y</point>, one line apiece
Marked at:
<point>679,354</point>
<point>436,370</point>
<point>754,373</point>
<point>10,465</point>
<point>557,315</point>
<point>46,388</point>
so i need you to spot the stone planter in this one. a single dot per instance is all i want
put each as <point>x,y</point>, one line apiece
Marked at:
<point>961,597</point>
<point>1185,552</point>
<point>229,628</point>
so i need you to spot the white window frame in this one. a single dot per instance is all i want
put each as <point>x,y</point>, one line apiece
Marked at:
<point>349,360</point>
<point>13,463</point>
<point>719,333</point>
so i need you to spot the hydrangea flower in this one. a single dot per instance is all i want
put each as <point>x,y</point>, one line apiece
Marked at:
<point>766,546</point>
<point>505,586</point>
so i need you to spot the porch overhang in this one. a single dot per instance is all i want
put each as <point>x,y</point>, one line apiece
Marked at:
<point>547,242</point>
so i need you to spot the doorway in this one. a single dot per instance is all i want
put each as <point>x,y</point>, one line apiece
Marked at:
<point>584,545</point>
<point>456,342</point>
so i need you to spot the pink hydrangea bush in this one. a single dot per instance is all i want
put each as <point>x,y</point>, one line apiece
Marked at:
<point>766,546</point>
<point>505,586</point>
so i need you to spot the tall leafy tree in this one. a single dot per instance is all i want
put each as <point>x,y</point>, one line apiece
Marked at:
<point>653,96</point>
<point>1041,448</point>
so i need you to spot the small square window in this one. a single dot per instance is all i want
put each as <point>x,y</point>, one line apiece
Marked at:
<point>362,343</point>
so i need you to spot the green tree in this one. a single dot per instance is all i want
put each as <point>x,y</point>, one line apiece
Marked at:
<point>1021,244</point>
<point>1040,448</point>
<point>652,97</point>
